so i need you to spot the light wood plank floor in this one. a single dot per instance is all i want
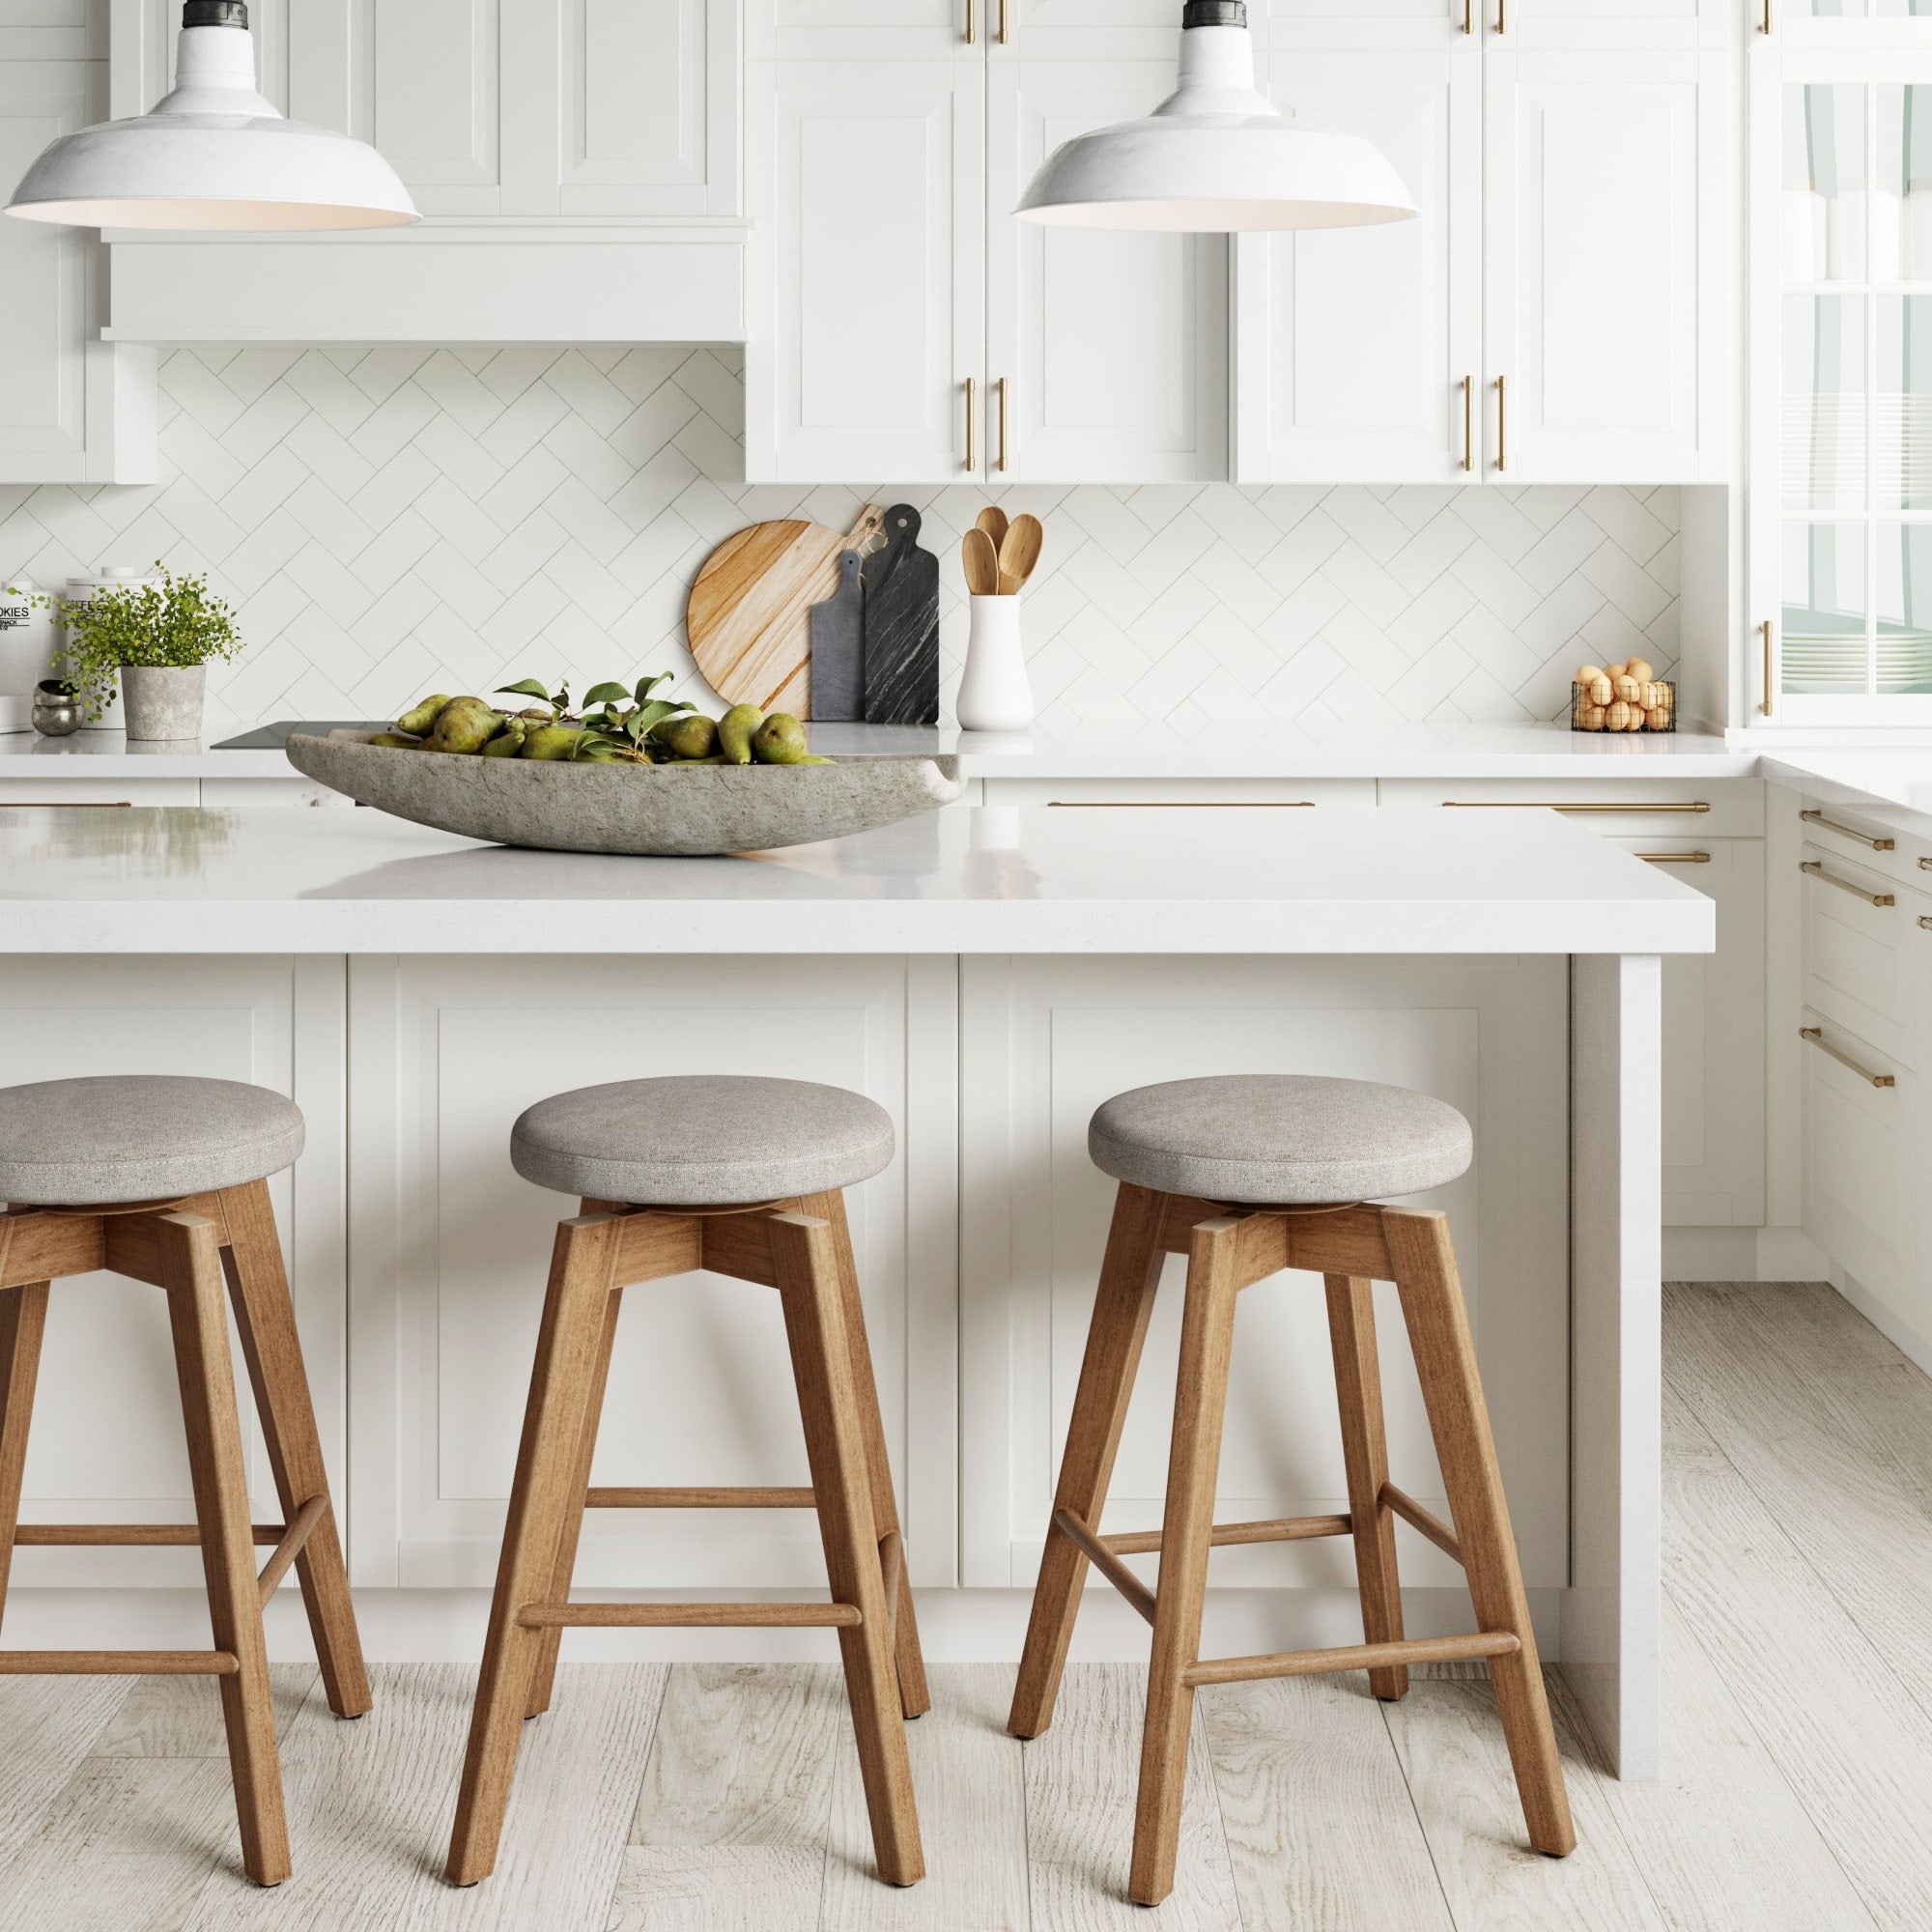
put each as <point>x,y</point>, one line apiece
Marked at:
<point>1799,1683</point>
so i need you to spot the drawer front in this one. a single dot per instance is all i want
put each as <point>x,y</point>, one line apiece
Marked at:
<point>1862,954</point>
<point>1860,1184</point>
<point>65,790</point>
<point>1668,809</point>
<point>1284,792</point>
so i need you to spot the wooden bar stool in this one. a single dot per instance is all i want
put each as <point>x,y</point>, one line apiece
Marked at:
<point>1247,1176</point>
<point>740,1177</point>
<point>164,1179</point>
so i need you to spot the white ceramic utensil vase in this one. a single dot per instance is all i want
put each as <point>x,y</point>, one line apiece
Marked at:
<point>994,694</point>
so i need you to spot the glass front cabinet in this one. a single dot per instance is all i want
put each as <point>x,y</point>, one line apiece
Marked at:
<point>1840,356</point>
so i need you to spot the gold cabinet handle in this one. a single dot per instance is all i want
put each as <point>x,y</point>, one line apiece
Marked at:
<point>1502,17</point>
<point>1818,871</point>
<point>1926,923</point>
<point>1468,415</point>
<point>1002,35</point>
<point>1502,415</point>
<point>1846,831</point>
<point>972,428</point>
<point>1816,1035</point>
<point>1468,16</point>
<point>1183,804</point>
<point>1002,464</point>
<point>1565,804</point>
<point>1765,705</point>
<point>972,25</point>
<point>1925,865</point>
<point>1675,858</point>
<point>1764,26</point>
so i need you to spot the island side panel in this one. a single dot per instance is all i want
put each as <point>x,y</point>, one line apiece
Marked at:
<point>1612,1613</point>
<point>1043,1041</point>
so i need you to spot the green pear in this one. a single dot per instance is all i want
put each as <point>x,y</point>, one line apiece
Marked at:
<point>780,740</point>
<point>507,741</point>
<point>418,720</point>
<point>689,736</point>
<point>734,732</point>
<point>466,725</point>
<point>551,742</point>
<point>395,741</point>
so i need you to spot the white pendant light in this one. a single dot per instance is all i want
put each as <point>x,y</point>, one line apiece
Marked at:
<point>213,154</point>
<point>1216,156</point>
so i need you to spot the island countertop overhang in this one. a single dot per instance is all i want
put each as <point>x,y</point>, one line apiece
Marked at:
<point>967,880</point>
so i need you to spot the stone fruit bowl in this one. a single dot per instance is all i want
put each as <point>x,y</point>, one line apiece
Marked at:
<point>655,810</point>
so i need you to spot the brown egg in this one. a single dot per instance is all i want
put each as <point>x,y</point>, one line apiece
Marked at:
<point>1646,694</point>
<point>1666,695</point>
<point>1639,669</point>
<point>1615,672</point>
<point>1658,718</point>
<point>1618,717</point>
<point>1635,719</point>
<point>1587,674</point>
<point>1626,687</point>
<point>1601,692</point>
<point>1590,717</point>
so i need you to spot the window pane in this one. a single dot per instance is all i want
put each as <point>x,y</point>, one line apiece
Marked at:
<point>1823,402</point>
<point>1902,409</point>
<point>1904,608</point>
<point>1824,596</point>
<point>1825,184</point>
<point>1901,237</point>
<point>1837,10</point>
<point>1896,9</point>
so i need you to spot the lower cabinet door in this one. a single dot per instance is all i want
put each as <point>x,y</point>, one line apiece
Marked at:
<point>449,1251</point>
<point>1714,1058</point>
<point>106,1443</point>
<point>1045,1040</point>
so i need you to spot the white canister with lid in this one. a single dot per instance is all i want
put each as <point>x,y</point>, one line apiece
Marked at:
<point>77,591</point>
<point>26,651</point>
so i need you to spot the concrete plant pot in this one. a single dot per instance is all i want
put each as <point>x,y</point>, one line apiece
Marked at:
<point>163,701</point>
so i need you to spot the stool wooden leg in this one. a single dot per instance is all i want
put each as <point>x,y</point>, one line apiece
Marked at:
<point>1459,1419</point>
<point>1200,1401</point>
<point>264,1316</point>
<point>23,1321</point>
<point>915,1700</point>
<point>574,1305</point>
<point>1359,1390</point>
<point>192,1275</point>
<point>1122,1305</point>
<point>551,1641</point>
<point>806,1258</point>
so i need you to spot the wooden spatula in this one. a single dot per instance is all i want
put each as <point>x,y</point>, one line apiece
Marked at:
<point>1019,553</point>
<point>993,521</point>
<point>983,563</point>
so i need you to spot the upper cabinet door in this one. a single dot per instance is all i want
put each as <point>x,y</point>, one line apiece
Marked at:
<point>866,298</point>
<point>1605,266</point>
<point>1359,351</point>
<point>1112,346</point>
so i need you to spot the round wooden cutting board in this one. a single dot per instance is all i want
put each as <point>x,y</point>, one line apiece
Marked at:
<point>748,616</point>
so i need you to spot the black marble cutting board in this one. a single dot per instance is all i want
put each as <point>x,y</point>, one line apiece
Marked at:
<point>903,626</point>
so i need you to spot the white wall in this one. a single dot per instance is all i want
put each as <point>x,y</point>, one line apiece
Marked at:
<point>393,520</point>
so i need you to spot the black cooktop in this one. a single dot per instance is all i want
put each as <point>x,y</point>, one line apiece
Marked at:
<point>274,737</point>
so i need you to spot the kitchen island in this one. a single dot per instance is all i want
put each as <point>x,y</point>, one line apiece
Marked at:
<point>986,975</point>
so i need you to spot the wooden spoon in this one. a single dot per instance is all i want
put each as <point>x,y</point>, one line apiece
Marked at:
<point>993,521</point>
<point>1019,553</point>
<point>983,564</point>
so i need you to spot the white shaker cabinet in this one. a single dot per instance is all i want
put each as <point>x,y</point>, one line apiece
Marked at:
<point>72,408</point>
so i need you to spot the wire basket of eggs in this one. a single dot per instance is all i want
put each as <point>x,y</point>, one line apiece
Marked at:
<point>1622,698</point>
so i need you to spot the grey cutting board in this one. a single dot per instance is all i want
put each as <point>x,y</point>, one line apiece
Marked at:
<point>838,645</point>
<point>903,626</point>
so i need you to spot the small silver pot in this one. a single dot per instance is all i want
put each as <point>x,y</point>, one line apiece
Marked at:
<point>163,701</point>
<point>57,711</point>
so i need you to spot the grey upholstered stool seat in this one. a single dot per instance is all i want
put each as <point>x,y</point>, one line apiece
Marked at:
<point>701,1140</point>
<point>122,1137</point>
<point>1280,1140</point>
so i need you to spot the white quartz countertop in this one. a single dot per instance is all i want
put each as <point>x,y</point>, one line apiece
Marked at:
<point>80,878</point>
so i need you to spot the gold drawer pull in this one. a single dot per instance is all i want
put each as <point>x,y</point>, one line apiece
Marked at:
<point>1562,805</point>
<point>972,430</point>
<point>1675,858</point>
<point>1182,805</point>
<point>1926,923</point>
<point>1816,1035</point>
<point>1818,871</point>
<point>1847,831</point>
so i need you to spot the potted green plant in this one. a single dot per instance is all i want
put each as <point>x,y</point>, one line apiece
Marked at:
<point>155,638</point>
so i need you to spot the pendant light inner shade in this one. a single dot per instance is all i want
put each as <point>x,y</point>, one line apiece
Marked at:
<point>1216,156</point>
<point>214,155</point>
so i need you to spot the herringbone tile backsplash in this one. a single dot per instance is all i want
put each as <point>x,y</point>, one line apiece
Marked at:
<point>390,521</point>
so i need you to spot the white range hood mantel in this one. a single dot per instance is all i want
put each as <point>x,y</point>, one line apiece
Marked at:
<point>452,279</point>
